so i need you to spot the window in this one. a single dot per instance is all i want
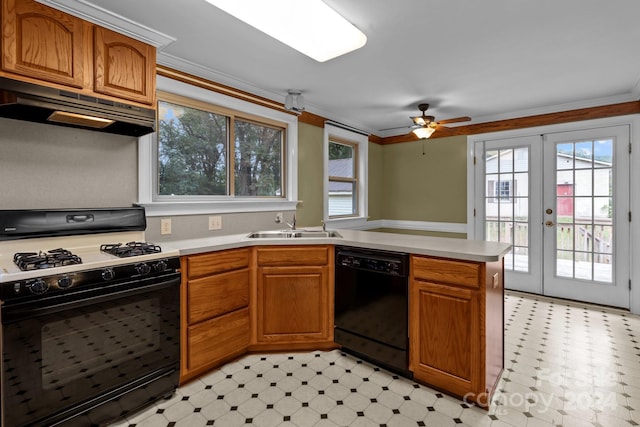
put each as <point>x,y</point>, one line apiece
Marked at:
<point>500,191</point>
<point>214,153</point>
<point>194,153</point>
<point>343,181</point>
<point>345,176</point>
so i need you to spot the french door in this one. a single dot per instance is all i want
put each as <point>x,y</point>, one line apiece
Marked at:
<point>562,201</point>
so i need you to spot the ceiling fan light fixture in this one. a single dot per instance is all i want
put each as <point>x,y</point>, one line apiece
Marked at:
<point>310,27</point>
<point>424,132</point>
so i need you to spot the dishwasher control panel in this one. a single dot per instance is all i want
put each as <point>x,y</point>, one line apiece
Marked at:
<point>383,262</point>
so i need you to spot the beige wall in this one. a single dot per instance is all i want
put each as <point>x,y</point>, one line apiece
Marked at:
<point>310,175</point>
<point>430,187</point>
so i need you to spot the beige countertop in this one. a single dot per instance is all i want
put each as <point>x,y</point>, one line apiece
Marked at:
<point>470,250</point>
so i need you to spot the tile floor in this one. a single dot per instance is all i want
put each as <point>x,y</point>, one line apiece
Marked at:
<point>566,364</point>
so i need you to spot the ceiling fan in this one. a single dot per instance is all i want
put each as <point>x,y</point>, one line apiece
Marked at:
<point>423,125</point>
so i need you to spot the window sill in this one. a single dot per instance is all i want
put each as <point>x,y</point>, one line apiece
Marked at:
<point>354,223</point>
<point>216,207</point>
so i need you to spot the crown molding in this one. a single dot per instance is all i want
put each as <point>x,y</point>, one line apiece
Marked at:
<point>557,108</point>
<point>311,115</point>
<point>107,19</point>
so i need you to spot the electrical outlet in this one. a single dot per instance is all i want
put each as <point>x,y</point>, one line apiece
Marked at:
<point>215,222</point>
<point>165,226</point>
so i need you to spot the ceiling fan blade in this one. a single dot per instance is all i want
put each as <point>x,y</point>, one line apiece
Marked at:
<point>455,120</point>
<point>400,127</point>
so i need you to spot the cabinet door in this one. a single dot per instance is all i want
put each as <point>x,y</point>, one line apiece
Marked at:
<point>293,304</point>
<point>445,337</point>
<point>124,67</point>
<point>43,43</point>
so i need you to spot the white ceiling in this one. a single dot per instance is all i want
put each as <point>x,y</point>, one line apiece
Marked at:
<point>489,59</point>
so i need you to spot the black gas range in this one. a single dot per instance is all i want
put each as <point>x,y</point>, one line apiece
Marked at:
<point>90,316</point>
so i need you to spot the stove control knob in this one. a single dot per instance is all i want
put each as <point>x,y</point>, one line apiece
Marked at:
<point>64,282</point>
<point>161,266</point>
<point>143,268</point>
<point>108,274</point>
<point>38,287</point>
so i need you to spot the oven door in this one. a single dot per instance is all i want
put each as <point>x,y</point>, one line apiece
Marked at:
<point>90,357</point>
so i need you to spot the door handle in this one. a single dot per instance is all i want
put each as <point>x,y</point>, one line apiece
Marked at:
<point>549,224</point>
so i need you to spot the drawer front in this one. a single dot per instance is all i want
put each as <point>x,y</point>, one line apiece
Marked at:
<point>212,296</point>
<point>448,271</point>
<point>290,256</point>
<point>216,339</point>
<point>217,262</point>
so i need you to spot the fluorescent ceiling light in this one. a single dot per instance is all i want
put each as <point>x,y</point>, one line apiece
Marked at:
<point>309,26</point>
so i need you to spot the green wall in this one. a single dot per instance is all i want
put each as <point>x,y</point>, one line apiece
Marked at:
<point>376,181</point>
<point>403,183</point>
<point>310,175</point>
<point>430,187</point>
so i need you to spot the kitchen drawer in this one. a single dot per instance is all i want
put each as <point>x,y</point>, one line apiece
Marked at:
<point>293,256</point>
<point>214,295</point>
<point>217,262</point>
<point>217,339</point>
<point>448,271</point>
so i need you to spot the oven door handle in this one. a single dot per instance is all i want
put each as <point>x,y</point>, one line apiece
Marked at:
<point>27,310</point>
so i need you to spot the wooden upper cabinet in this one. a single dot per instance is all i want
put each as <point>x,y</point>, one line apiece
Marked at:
<point>124,67</point>
<point>40,44</point>
<point>44,43</point>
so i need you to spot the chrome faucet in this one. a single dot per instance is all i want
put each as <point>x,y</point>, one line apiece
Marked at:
<point>291,225</point>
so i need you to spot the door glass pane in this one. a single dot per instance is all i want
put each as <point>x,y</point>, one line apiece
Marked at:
<point>602,180</point>
<point>507,203</point>
<point>584,207</point>
<point>521,184</point>
<point>583,155</point>
<point>521,160</point>
<point>564,157</point>
<point>583,183</point>
<point>564,263</point>
<point>521,258</point>
<point>603,153</point>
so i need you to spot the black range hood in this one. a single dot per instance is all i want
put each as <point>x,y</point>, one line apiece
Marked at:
<point>41,104</point>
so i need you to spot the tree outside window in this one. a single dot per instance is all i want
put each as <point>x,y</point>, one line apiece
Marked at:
<point>195,154</point>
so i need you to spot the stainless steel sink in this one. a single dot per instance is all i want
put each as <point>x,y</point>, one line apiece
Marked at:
<point>293,234</point>
<point>316,233</point>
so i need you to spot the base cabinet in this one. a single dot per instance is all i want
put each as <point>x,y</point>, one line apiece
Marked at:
<point>456,326</point>
<point>215,310</point>
<point>294,297</point>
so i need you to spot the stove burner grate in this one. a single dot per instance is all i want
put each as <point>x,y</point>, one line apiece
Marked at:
<point>130,249</point>
<point>27,261</point>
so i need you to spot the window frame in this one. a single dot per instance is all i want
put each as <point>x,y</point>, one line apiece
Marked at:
<point>190,205</point>
<point>360,142</point>
<point>342,179</point>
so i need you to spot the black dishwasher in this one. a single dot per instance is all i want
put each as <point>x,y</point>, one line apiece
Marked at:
<point>371,306</point>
